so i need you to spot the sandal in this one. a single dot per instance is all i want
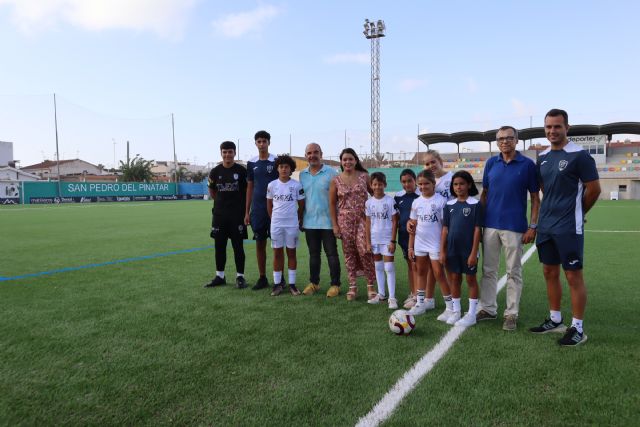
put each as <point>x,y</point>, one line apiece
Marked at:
<point>353,293</point>
<point>372,291</point>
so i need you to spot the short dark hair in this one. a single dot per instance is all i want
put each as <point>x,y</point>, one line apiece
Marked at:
<point>426,173</point>
<point>473,190</point>
<point>379,176</point>
<point>515,131</point>
<point>555,112</point>
<point>262,134</point>
<point>285,159</point>
<point>228,145</point>
<point>408,172</point>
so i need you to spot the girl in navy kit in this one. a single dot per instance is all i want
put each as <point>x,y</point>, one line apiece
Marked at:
<point>461,233</point>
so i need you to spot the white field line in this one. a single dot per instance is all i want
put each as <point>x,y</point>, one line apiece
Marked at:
<point>612,231</point>
<point>385,407</point>
<point>80,206</point>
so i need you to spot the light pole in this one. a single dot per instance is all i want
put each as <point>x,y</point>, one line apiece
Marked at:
<point>374,31</point>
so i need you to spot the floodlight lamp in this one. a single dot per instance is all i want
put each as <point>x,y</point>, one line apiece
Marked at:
<point>381,26</point>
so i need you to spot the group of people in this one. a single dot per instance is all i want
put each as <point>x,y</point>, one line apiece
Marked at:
<point>436,220</point>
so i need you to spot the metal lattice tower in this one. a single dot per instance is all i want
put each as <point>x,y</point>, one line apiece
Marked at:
<point>374,31</point>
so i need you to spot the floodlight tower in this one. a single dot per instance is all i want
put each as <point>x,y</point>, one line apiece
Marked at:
<point>374,31</point>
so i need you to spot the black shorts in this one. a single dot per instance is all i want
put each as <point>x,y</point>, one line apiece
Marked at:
<point>403,242</point>
<point>458,264</point>
<point>565,249</point>
<point>228,228</point>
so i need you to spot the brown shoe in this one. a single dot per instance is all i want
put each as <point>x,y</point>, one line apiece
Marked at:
<point>333,291</point>
<point>485,315</point>
<point>311,289</point>
<point>510,322</point>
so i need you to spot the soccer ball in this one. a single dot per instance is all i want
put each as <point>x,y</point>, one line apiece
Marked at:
<point>401,322</point>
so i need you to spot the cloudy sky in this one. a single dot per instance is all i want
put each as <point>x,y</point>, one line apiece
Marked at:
<point>300,69</point>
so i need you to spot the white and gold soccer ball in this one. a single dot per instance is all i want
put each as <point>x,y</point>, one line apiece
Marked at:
<point>401,322</point>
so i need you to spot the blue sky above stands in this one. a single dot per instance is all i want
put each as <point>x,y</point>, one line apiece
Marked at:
<point>226,69</point>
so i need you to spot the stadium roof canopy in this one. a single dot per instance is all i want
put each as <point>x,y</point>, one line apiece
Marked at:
<point>529,133</point>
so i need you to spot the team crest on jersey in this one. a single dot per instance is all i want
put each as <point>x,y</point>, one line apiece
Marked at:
<point>269,168</point>
<point>240,227</point>
<point>433,206</point>
<point>235,176</point>
<point>562,165</point>
<point>466,211</point>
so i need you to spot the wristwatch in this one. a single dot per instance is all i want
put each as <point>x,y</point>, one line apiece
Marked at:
<point>533,226</point>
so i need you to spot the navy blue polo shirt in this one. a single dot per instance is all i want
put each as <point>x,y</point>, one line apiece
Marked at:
<point>562,174</point>
<point>507,186</point>
<point>461,219</point>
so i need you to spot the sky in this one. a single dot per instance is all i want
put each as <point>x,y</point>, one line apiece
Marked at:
<point>301,70</point>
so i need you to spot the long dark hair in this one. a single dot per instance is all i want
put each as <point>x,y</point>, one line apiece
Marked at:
<point>473,190</point>
<point>351,151</point>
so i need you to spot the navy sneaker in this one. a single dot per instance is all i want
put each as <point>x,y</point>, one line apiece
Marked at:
<point>572,338</point>
<point>261,283</point>
<point>240,282</point>
<point>217,281</point>
<point>548,326</point>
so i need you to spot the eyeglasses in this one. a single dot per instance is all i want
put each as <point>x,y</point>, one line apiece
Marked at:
<point>505,139</point>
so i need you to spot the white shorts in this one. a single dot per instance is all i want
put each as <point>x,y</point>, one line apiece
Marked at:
<point>434,256</point>
<point>284,236</point>
<point>381,249</point>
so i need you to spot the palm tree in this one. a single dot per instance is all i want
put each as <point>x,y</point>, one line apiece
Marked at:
<point>137,170</point>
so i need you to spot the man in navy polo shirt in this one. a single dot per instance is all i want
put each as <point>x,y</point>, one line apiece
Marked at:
<point>261,171</point>
<point>508,177</point>
<point>571,186</point>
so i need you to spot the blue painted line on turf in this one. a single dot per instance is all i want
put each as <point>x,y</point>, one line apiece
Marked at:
<point>103,264</point>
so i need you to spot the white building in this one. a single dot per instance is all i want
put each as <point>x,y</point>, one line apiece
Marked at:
<point>49,168</point>
<point>6,153</point>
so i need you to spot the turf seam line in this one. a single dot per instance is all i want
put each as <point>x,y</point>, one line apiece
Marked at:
<point>390,401</point>
<point>103,264</point>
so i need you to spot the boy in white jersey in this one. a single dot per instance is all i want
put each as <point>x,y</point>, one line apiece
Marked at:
<point>285,206</point>
<point>381,227</point>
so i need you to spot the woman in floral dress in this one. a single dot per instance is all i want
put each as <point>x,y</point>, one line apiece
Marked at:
<point>347,195</point>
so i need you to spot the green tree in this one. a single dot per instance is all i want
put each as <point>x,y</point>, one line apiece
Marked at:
<point>137,170</point>
<point>199,176</point>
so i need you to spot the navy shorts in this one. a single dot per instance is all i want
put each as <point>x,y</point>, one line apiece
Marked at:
<point>261,225</point>
<point>403,242</point>
<point>565,249</point>
<point>458,264</point>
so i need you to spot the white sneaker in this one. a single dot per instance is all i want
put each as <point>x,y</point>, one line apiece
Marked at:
<point>431,305</point>
<point>410,302</point>
<point>445,315</point>
<point>418,309</point>
<point>454,317</point>
<point>377,299</point>
<point>468,320</point>
<point>393,303</point>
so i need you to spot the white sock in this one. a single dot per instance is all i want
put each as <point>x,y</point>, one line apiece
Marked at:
<point>577,323</point>
<point>380,276</point>
<point>220,274</point>
<point>556,316</point>
<point>277,277</point>
<point>430,301</point>
<point>390,269</point>
<point>473,306</point>
<point>239,274</point>
<point>456,304</point>
<point>447,302</point>
<point>420,297</point>
<point>292,277</point>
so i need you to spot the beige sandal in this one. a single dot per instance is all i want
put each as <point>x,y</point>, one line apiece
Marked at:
<point>352,294</point>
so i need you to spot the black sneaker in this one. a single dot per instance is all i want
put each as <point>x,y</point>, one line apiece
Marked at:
<point>572,338</point>
<point>485,315</point>
<point>277,289</point>
<point>548,326</point>
<point>240,282</point>
<point>261,284</point>
<point>217,281</point>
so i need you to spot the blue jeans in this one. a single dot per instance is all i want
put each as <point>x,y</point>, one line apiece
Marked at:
<point>315,238</point>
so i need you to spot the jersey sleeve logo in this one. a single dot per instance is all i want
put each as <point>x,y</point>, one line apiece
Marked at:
<point>562,164</point>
